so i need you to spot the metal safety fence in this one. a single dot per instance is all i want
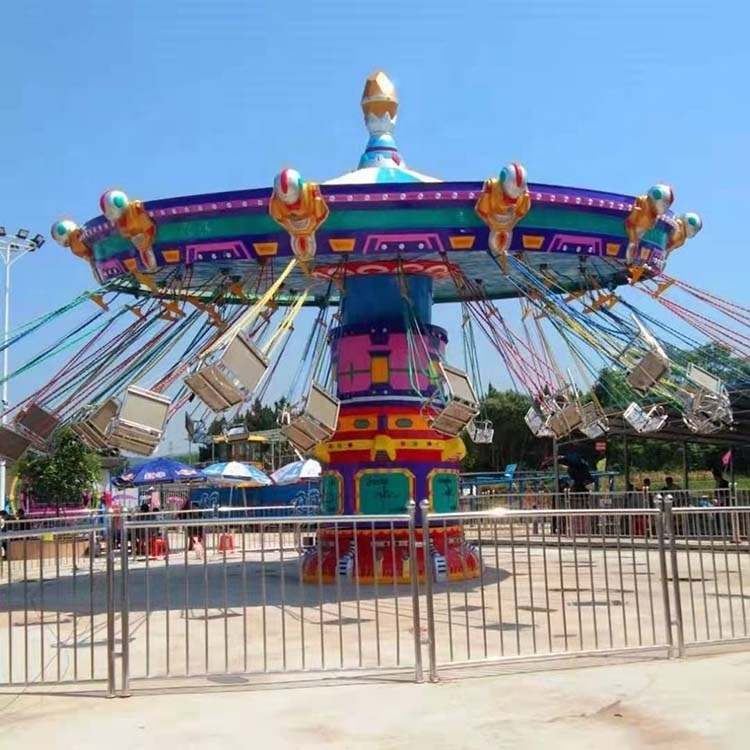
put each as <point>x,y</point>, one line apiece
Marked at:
<point>185,596</point>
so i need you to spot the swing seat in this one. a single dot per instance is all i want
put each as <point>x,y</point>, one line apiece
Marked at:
<point>594,422</point>
<point>92,425</point>
<point>315,422</point>
<point>708,412</point>
<point>536,423</point>
<point>139,424</point>
<point>13,445</point>
<point>705,380</point>
<point>461,403</point>
<point>566,418</point>
<point>232,378</point>
<point>37,422</point>
<point>645,421</point>
<point>481,432</point>
<point>708,408</point>
<point>651,368</point>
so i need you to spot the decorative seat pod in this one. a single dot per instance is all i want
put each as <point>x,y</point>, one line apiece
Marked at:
<point>139,424</point>
<point>651,368</point>
<point>232,378</point>
<point>461,402</point>
<point>92,424</point>
<point>12,444</point>
<point>315,422</point>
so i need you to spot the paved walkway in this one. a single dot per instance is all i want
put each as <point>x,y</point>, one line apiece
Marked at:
<point>695,704</point>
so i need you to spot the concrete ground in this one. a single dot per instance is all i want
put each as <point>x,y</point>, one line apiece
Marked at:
<point>693,704</point>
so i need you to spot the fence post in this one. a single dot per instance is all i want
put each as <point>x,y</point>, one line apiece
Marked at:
<point>124,610</point>
<point>110,598</point>
<point>671,540</point>
<point>663,571</point>
<point>414,580</point>
<point>424,506</point>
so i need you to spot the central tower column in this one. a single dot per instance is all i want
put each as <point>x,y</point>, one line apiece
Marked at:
<point>385,355</point>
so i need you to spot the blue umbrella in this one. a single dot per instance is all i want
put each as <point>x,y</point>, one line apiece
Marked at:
<point>234,472</point>
<point>297,471</point>
<point>160,471</point>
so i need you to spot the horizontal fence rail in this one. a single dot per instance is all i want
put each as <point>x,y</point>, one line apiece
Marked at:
<point>121,598</point>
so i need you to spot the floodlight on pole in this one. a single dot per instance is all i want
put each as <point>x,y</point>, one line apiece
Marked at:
<point>12,249</point>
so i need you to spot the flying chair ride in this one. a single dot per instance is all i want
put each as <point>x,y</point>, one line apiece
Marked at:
<point>217,281</point>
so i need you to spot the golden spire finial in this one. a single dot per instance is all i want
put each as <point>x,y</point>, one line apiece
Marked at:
<point>379,103</point>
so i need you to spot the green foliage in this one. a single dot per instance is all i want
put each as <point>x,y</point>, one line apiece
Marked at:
<point>64,475</point>
<point>611,390</point>
<point>513,442</point>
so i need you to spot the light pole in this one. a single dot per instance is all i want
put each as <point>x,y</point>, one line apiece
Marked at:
<point>12,248</point>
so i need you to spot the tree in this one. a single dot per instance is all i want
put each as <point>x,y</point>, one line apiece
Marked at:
<point>63,476</point>
<point>513,442</point>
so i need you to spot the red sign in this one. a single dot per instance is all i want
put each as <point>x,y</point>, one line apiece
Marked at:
<point>600,445</point>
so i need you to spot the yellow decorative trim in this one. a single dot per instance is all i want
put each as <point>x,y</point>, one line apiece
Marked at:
<point>661,288</point>
<point>612,248</point>
<point>385,444</point>
<point>454,450</point>
<point>321,452</point>
<point>171,256</point>
<point>265,249</point>
<point>532,242</point>
<point>461,243</point>
<point>449,447</point>
<point>342,245</point>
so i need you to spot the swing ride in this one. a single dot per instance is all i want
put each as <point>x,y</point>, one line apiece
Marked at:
<point>198,295</point>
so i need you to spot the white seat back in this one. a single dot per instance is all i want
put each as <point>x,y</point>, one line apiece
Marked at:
<point>145,408</point>
<point>459,385</point>
<point>245,362</point>
<point>323,406</point>
<point>705,380</point>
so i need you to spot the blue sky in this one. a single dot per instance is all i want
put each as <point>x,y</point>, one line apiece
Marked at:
<point>160,98</point>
